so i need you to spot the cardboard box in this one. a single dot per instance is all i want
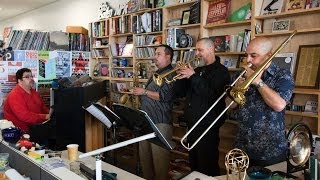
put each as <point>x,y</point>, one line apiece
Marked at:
<point>76,29</point>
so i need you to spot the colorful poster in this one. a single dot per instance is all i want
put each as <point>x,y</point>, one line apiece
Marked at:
<point>47,68</point>
<point>63,63</point>
<point>31,62</point>
<point>80,63</point>
<point>13,67</point>
<point>3,71</point>
<point>19,55</point>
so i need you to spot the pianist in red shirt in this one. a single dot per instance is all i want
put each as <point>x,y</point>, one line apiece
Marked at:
<point>23,105</point>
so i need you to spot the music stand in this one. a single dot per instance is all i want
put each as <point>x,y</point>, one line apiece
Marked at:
<point>140,123</point>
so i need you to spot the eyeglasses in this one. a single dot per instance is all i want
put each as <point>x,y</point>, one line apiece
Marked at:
<point>28,77</point>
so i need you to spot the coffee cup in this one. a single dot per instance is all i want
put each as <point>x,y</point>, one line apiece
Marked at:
<point>72,152</point>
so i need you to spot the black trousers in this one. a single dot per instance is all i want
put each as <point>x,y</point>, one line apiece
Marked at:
<point>204,157</point>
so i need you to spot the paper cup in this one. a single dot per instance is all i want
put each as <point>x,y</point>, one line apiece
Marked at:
<point>72,152</point>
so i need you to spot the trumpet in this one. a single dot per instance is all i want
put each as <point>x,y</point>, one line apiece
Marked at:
<point>160,78</point>
<point>236,93</point>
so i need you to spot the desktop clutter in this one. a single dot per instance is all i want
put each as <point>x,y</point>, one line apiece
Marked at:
<point>51,160</point>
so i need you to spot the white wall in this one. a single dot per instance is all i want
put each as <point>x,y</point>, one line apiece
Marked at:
<point>58,15</point>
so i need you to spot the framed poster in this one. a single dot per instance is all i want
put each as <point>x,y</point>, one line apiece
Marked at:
<point>307,73</point>
<point>282,25</point>
<point>185,17</point>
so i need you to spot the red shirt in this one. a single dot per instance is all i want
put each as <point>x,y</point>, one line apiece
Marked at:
<point>24,109</point>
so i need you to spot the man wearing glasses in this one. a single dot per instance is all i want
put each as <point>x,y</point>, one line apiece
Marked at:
<point>23,106</point>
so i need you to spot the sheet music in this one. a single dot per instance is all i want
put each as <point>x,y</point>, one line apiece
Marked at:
<point>99,115</point>
<point>108,109</point>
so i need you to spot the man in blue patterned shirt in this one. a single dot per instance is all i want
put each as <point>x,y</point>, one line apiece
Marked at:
<point>261,132</point>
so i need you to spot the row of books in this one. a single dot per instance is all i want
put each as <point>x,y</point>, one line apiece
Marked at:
<point>232,43</point>
<point>121,25</point>
<point>136,5</point>
<point>147,22</point>
<point>145,40</point>
<point>183,56</point>
<point>99,29</point>
<point>98,53</point>
<point>121,49</point>
<point>78,42</point>
<point>147,52</point>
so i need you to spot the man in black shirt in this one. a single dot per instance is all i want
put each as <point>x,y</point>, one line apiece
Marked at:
<point>202,86</point>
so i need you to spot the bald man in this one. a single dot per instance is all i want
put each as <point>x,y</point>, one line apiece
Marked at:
<point>201,87</point>
<point>261,132</point>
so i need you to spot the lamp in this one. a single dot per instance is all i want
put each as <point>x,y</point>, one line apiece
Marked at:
<point>140,123</point>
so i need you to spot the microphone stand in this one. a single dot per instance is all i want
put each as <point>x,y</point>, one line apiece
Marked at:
<point>97,153</point>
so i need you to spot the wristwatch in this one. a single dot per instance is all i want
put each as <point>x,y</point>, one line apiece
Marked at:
<point>260,84</point>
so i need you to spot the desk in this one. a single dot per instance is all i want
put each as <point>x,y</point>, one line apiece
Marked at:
<point>276,167</point>
<point>91,163</point>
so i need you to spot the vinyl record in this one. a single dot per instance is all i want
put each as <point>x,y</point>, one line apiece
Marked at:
<point>183,41</point>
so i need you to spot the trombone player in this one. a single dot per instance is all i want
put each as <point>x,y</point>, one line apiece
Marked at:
<point>261,132</point>
<point>201,87</point>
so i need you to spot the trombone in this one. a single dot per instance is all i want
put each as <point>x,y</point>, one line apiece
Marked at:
<point>236,93</point>
<point>160,78</point>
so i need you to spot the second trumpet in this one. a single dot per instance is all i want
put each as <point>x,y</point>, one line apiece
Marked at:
<point>160,78</point>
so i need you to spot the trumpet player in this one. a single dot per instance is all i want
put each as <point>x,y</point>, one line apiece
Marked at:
<point>157,102</point>
<point>261,132</point>
<point>201,87</point>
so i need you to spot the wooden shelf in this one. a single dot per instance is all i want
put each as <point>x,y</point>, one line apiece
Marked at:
<point>141,11</point>
<point>121,79</point>
<point>100,37</point>
<point>100,47</point>
<point>152,45</point>
<point>123,34</point>
<point>229,53</point>
<point>122,56</point>
<point>118,67</point>
<point>185,26</point>
<point>179,5</point>
<point>149,58</point>
<point>101,57</point>
<point>300,31</point>
<point>290,13</point>
<point>306,91</point>
<point>183,49</point>
<point>228,24</point>
<point>147,33</point>
<point>304,114</point>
